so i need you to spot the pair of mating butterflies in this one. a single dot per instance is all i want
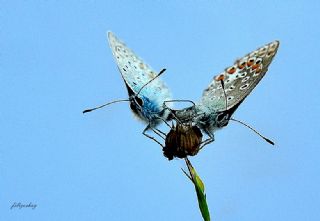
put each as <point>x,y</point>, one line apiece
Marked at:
<point>149,96</point>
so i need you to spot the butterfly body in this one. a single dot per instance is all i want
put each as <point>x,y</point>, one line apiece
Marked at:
<point>145,102</point>
<point>228,90</point>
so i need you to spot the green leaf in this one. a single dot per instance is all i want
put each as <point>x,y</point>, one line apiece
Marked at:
<point>200,190</point>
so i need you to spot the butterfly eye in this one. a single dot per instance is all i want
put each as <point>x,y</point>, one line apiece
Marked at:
<point>133,107</point>
<point>139,101</point>
<point>222,119</point>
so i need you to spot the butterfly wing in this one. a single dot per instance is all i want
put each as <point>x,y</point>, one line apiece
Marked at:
<point>136,73</point>
<point>215,108</point>
<point>239,79</point>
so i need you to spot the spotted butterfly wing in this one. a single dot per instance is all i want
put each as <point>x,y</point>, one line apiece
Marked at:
<point>239,79</point>
<point>217,105</point>
<point>148,104</point>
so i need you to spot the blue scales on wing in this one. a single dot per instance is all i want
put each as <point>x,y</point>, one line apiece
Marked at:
<point>146,104</point>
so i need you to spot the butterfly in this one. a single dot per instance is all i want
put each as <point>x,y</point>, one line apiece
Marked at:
<point>147,93</point>
<point>227,91</point>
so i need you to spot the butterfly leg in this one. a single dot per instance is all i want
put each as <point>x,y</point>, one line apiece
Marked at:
<point>157,131</point>
<point>207,141</point>
<point>150,137</point>
<point>166,122</point>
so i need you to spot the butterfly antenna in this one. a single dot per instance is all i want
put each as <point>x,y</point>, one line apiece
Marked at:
<point>182,100</point>
<point>112,102</point>
<point>263,137</point>
<point>161,72</point>
<point>224,92</point>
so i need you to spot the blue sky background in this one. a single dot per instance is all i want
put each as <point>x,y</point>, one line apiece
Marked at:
<point>55,62</point>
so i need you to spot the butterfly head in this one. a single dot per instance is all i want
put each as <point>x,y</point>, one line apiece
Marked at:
<point>139,105</point>
<point>146,109</point>
<point>136,104</point>
<point>222,119</point>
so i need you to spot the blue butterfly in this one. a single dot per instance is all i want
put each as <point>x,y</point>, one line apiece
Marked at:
<point>227,91</point>
<point>147,93</point>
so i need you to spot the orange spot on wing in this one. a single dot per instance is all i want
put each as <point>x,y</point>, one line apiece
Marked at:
<point>258,70</point>
<point>231,70</point>
<point>241,65</point>
<point>220,77</point>
<point>250,62</point>
<point>255,66</point>
<point>141,65</point>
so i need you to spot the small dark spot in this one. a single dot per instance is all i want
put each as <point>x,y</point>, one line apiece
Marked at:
<point>222,117</point>
<point>134,108</point>
<point>245,79</point>
<point>244,86</point>
<point>139,101</point>
<point>129,62</point>
<point>124,69</point>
